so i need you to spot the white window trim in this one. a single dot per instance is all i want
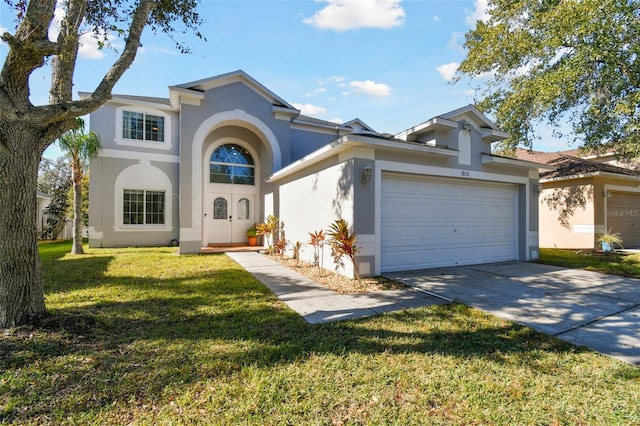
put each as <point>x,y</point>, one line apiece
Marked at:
<point>166,145</point>
<point>146,177</point>
<point>145,225</point>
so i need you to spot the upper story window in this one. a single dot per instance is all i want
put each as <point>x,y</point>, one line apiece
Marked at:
<point>141,126</point>
<point>232,163</point>
<point>138,126</point>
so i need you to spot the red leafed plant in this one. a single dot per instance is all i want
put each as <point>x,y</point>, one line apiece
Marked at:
<point>343,244</point>
<point>317,241</point>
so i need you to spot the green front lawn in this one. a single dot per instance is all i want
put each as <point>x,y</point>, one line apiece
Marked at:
<point>617,263</point>
<point>144,336</point>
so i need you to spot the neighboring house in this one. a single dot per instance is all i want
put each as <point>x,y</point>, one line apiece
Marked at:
<point>42,201</point>
<point>222,153</point>
<point>585,197</point>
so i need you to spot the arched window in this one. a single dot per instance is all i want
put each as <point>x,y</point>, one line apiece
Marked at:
<point>232,163</point>
<point>243,209</point>
<point>219,208</point>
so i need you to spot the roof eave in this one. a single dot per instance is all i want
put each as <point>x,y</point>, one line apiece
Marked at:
<point>179,95</point>
<point>512,162</point>
<point>589,175</point>
<point>350,141</point>
<point>436,123</point>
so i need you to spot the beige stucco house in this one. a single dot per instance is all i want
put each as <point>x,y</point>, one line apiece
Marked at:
<point>584,197</point>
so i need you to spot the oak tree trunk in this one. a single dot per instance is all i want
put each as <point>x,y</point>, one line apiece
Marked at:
<point>21,290</point>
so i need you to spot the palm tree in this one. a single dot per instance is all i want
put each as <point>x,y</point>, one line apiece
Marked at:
<point>80,147</point>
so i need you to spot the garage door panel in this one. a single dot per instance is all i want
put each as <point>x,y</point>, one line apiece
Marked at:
<point>623,217</point>
<point>431,222</point>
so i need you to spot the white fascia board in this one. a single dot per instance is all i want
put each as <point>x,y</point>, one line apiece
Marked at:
<point>433,124</point>
<point>142,103</point>
<point>336,129</point>
<point>350,141</point>
<point>286,114</point>
<point>492,135</point>
<point>492,159</point>
<point>403,146</point>
<point>133,100</point>
<point>180,95</point>
<point>308,160</point>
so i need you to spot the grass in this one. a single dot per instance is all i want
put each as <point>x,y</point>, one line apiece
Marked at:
<point>616,263</point>
<point>143,336</point>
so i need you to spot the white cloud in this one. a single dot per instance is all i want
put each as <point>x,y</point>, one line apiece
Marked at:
<point>89,47</point>
<point>315,92</point>
<point>447,71</point>
<point>343,15</point>
<point>455,43</point>
<point>309,109</point>
<point>436,18</point>
<point>371,88</point>
<point>480,13</point>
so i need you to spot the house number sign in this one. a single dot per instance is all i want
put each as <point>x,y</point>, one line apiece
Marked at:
<point>465,173</point>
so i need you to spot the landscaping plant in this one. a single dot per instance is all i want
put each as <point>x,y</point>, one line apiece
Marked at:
<point>343,244</point>
<point>317,241</point>
<point>297,247</point>
<point>609,240</point>
<point>269,229</point>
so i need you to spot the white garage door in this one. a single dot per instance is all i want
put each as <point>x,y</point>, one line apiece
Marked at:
<point>434,222</point>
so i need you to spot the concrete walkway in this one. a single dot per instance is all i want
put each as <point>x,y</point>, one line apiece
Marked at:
<point>599,311</point>
<point>318,304</point>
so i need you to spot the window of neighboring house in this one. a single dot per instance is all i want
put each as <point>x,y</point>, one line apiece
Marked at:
<point>142,207</point>
<point>232,163</point>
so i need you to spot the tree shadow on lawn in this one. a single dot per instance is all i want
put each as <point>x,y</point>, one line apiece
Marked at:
<point>211,325</point>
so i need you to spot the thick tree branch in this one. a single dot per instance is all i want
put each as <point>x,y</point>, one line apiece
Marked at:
<point>65,111</point>
<point>28,49</point>
<point>64,64</point>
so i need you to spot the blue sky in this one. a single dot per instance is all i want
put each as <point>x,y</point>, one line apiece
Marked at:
<point>387,62</point>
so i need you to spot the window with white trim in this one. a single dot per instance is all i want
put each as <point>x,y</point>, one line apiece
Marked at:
<point>143,207</point>
<point>142,126</point>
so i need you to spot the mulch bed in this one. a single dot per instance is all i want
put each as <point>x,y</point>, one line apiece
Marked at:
<point>336,282</point>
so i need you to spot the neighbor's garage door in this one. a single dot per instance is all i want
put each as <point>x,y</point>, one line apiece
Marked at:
<point>623,217</point>
<point>433,222</point>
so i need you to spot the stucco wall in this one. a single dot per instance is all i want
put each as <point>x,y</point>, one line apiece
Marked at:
<point>567,215</point>
<point>105,214</point>
<point>311,202</point>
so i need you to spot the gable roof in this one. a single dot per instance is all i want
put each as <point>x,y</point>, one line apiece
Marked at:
<point>200,86</point>
<point>358,125</point>
<point>488,130</point>
<point>569,166</point>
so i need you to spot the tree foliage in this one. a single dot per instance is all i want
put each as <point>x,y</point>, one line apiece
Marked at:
<point>52,174</point>
<point>56,212</point>
<point>552,61</point>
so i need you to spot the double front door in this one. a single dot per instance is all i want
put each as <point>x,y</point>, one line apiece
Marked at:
<point>227,217</point>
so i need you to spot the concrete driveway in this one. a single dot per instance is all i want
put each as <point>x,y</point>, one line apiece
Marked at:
<point>596,310</point>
